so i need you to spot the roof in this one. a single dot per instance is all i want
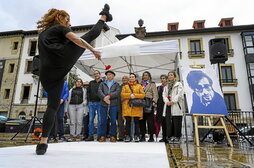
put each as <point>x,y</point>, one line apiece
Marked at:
<point>31,32</point>
<point>240,28</point>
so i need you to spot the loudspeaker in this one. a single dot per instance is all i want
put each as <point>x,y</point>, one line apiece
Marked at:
<point>36,65</point>
<point>218,50</point>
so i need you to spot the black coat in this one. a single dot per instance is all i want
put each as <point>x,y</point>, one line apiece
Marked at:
<point>160,105</point>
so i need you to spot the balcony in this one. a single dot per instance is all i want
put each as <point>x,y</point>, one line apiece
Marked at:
<point>229,82</point>
<point>196,54</point>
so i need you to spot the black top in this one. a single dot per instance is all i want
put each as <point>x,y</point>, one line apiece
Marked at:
<point>92,91</point>
<point>51,44</point>
<point>54,58</point>
<point>76,95</point>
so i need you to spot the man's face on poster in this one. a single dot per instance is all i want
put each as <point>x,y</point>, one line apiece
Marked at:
<point>205,91</point>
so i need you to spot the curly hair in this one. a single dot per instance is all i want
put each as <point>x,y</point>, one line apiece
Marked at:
<point>51,18</point>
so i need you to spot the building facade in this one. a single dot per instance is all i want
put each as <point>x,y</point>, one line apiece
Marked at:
<point>19,85</point>
<point>10,53</point>
<point>236,74</point>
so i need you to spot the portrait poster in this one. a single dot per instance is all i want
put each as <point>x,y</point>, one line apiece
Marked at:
<point>203,91</point>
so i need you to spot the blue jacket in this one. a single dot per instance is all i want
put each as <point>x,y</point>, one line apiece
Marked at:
<point>65,92</point>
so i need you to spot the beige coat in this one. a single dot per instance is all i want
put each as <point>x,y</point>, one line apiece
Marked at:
<point>151,92</point>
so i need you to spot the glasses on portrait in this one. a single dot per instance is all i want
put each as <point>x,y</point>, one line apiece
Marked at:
<point>200,88</point>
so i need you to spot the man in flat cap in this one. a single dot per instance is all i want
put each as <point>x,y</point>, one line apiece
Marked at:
<point>108,92</point>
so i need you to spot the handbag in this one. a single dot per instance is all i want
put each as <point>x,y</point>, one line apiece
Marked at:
<point>149,105</point>
<point>136,102</point>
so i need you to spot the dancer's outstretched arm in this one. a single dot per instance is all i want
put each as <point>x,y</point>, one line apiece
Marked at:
<point>82,43</point>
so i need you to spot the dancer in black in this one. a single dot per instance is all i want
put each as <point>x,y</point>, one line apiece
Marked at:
<point>59,49</point>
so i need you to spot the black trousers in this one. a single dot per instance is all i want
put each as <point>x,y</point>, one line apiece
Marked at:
<point>120,123</point>
<point>173,124</point>
<point>54,87</point>
<point>149,119</point>
<point>85,126</point>
<point>128,125</point>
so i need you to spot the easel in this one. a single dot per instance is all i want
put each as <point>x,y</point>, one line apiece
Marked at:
<point>210,126</point>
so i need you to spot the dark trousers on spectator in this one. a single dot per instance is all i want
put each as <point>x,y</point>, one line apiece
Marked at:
<point>173,124</point>
<point>149,119</point>
<point>85,126</point>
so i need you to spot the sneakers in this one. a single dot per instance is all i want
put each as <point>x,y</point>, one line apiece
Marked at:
<point>102,139</point>
<point>90,138</point>
<point>136,138</point>
<point>105,11</point>
<point>71,139</point>
<point>62,139</point>
<point>127,138</point>
<point>41,149</point>
<point>177,140</point>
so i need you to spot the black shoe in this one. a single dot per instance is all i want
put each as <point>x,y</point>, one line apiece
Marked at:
<point>105,11</point>
<point>120,140</point>
<point>105,27</point>
<point>143,138</point>
<point>127,139</point>
<point>90,138</point>
<point>151,138</point>
<point>41,149</point>
<point>162,140</point>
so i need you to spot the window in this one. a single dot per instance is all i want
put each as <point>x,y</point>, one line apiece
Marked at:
<point>227,76</point>
<point>25,96</point>
<point>200,25</point>
<point>11,68</point>
<point>228,22</point>
<point>15,45</point>
<point>32,51</point>
<point>22,115</point>
<point>173,27</point>
<point>249,46</point>
<point>195,47</point>
<point>230,101</point>
<point>29,67</point>
<point>7,93</point>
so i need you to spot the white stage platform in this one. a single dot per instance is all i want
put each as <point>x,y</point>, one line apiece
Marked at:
<point>87,155</point>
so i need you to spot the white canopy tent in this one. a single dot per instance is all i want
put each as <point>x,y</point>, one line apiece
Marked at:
<point>133,55</point>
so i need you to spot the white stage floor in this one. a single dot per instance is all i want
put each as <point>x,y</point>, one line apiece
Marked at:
<point>87,155</point>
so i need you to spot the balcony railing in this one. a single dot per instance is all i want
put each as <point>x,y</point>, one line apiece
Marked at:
<point>228,80</point>
<point>193,54</point>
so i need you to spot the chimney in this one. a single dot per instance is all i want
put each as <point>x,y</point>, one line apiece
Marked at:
<point>173,26</point>
<point>198,24</point>
<point>224,22</point>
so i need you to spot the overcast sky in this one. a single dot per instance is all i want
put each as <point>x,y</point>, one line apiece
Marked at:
<point>23,14</point>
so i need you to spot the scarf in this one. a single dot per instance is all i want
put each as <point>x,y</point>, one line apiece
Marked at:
<point>170,86</point>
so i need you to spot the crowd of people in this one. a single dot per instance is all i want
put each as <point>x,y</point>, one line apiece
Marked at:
<point>117,118</point>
